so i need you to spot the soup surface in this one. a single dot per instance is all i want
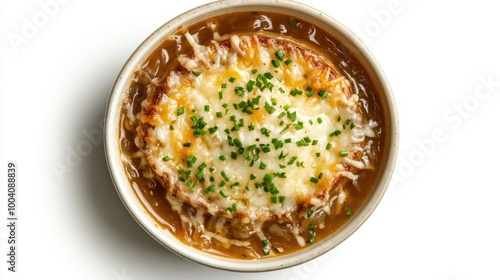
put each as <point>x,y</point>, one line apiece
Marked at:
<point>251,135</point>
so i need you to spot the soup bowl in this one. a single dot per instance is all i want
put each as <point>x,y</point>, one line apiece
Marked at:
<point>351,48</point>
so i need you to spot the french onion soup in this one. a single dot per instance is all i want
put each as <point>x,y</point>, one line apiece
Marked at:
<point>251,135</point>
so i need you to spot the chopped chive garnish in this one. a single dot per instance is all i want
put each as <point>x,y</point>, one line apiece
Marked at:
<point>293,22</point>
<point>348,212</point>
<point>265,248</point>
<point>314,180</point>
<point>298,125</point>
<point>191,160</point>
<point>250,85</point>
<point>314,142</point>
<point>166,158</point>
<point>200,174</point>
<point>320,175</point>
<point>222,193</point>
<point>322,93</point>
<point>232,79</point>
<point>312,237</point>
<point>268,177</point>
<point>335,133</point>
<point>254,71</point>
<point>251,127</point>
<point>224,175</point>
<point>212,130</point>
<point>352,126</point>
<point>222,157</point>
<point>292,116</point>
<point>191,185</point>
<point>187,144</point>
<point>180,111</point>
<point>234,185</point>
<point>281,198</point>
<point>210,189</point>
<point>276,63</point>
<point>339,118</point>
<point>269,108</point>
<point>309,213</point>
<point>265,148</point>
<point>268,75</point>
<point>295,92</point>
<point>221,95</point>
<point>328,146</point>
<point>265,131</point>
<point>274,199</point>
<point>279,55</point>
<point>233,207</point>
<point>320,120</point>
<point>202,166</point>
<point>197,73</point>
<point>343,153</point>
<point>234,155</point>
<point>253,176</point>
<point>239,91</point>
<point>262,165</point>
<point>207,108</point>
<point>288,140</point>
<point>312,227</point>
<point>219,114</point>
<point>291,161</point>
<point>288,61</point>
<point>318,154</point>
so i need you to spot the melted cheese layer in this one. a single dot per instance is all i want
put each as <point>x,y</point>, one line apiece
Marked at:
<point>253,128</point>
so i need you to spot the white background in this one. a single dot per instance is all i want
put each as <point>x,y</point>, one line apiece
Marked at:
<point>438,220</point>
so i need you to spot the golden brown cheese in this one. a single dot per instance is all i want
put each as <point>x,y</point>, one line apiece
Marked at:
<point>252,128</point>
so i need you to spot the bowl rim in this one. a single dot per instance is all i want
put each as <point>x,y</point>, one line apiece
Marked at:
<point>143,218</point>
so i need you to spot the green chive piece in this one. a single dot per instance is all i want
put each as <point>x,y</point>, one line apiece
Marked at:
<point>207,108</point>
<point>187,144</point>
<point>262,165</point>
<point>335,133</point>
<point>191,160</point>
<point>210,189</point>
<point>166,158</point>
<point>197,73</point>
<point>180,111</point>
<point>322,93</point>
<point>343,153</point>
<point>254,71</point>
<point>348,212</point>
<point>223,193</point>
<point>276,63</point>
<point>314,180</point>
<point>269,108</point>
<point>293,22</point>
<point>328,146</point>
<point>232,79</point>
<point>279,55</point>
<point>222,157</point>
<point>288,61</point>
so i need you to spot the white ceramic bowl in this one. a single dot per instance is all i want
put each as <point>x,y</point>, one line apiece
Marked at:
<point>296,10</point>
